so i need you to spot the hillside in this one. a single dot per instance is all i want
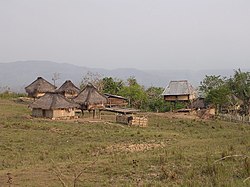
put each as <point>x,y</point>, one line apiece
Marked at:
<point>169,152</point>
<point>17,75</point>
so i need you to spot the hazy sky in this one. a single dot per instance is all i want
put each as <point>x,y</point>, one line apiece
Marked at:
<point>143,34</point>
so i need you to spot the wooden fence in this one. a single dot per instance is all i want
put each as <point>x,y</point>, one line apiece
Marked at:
<point>235,118</point>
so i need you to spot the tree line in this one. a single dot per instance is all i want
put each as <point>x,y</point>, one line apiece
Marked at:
<point>225,94</point>
<point>228,94</point>
<point>139,97</point>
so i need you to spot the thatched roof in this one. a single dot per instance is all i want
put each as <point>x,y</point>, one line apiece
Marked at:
<point>40,85</point>
<point>68,87</point>
<point>90,96</point>
<point>178,88</point>
<point>52,101</point>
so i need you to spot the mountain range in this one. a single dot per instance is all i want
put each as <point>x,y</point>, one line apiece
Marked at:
<point>17,75</point>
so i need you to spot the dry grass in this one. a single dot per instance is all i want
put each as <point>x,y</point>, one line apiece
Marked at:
<point>171,151</point>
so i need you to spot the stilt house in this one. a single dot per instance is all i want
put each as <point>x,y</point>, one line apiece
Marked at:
<point>69,90</point>
<point>179,91</point>
<point>54,106</point>
<point>90,99</point>
<point>39,87</point>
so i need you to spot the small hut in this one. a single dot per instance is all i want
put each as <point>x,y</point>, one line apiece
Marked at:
<point>54,106</point>
<point>116,100</point>
<point>90,99</point>
<point>69,90</point>
<point>39,87</point>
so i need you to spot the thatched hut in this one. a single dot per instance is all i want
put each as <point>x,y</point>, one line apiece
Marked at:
<point>54,106</point>
<point>39,87</point>
<point>90,99</point>
<point>68,89</point>
<point>116,100</point>
<point>179,91</point>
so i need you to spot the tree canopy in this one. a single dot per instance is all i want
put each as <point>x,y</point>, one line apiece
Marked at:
<point>220,91</point>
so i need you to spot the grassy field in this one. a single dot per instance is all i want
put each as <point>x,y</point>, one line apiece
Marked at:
<point>169,152</point>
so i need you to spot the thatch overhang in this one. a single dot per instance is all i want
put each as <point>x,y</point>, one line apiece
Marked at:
<point>68,88</point>
<point>40,85</point>
<point>89,98</point>
<point>53,101</point>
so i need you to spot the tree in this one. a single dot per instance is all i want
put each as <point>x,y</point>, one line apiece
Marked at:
<point>93,78</point>
<point>211,82</point>
<point>216,90</point>
<point>55,77</point>
<point>219,97</point>
<point>240,86</point>
<point>155,102</point>
<point>111,86</point>
<point>135,93</point>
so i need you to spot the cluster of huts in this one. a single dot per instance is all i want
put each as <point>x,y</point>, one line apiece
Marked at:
<point>50,102</point>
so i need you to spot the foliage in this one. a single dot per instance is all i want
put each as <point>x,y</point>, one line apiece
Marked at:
<point>155,101</point>
<point>111,86</point>
<point>211,82</point>
<point>216,90</point>
<point>240,86</point>
<point>135,93</point>
<point>224,92</point>
<point>218,96</point>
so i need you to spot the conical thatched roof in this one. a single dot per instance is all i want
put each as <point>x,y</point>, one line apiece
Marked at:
<point>51,101</point>
<point>40,85</point>
<point>68,87</point>
<point>90,96</point>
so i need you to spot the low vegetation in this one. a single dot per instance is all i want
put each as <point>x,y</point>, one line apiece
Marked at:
<point>169,152</point>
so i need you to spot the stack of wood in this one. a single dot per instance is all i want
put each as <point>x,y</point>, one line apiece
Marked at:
<point>139,121</point>
<point>132,120</point>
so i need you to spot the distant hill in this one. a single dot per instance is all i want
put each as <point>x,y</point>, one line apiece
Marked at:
<point>17,75</point>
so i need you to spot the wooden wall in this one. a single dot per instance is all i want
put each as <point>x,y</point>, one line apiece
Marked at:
<point>59,113</point>
<point>116,102</point>
<point>179,97</point>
